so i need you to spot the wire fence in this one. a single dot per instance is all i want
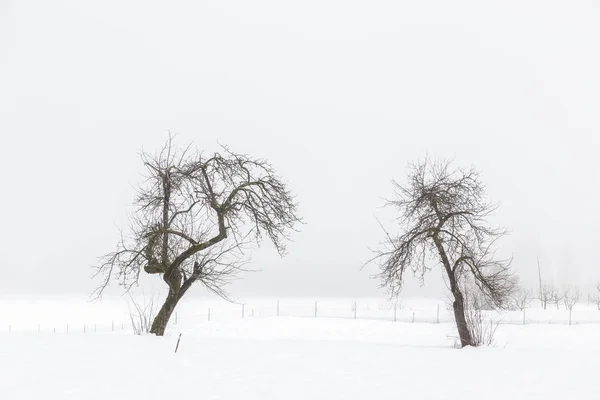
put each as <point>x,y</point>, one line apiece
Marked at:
<point>199,313</point>
<point>438,313</point>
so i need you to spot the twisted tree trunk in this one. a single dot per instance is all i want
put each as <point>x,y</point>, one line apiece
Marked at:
<point>174,279</point>
<point>177,288</point>
<point>461,322</point>
<point>159,325</point>
<point>459,303</point>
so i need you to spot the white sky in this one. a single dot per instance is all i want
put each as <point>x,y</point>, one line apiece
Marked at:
<point>338,95</point>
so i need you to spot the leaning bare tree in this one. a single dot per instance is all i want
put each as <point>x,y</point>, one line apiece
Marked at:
<point>194,216</point>
<point>443,218</point>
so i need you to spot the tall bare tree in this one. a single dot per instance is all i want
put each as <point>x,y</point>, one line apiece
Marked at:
<point>443,219</point>
<point>541,294</point>
<point>194,216</point>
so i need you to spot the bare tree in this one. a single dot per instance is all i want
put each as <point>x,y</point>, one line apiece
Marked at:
<point>571,295</point>
<point>546,294</point>
<point>556,296</point>
<point>194,217</point>
<point>595,297</point>
<point>443,213</point>
<point>522,298</point>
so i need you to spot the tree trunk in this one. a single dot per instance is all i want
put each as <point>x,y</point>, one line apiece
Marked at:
<point>459,303</point>
<point>159,325</point>
<point>461,321</point>
<point>177,288</point>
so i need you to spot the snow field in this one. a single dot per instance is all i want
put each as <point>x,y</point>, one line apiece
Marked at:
<point>291,358</point>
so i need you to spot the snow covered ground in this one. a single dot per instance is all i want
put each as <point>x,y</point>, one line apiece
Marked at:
<point>269,357</point>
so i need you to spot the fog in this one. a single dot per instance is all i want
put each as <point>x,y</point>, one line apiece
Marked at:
<point>338,95</point>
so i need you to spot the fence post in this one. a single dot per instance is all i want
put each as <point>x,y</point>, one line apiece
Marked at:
<point>54,330</point>
<point>243,310</point>
<point>253,313</point>
<point>570,312</point>
<point>209,313</point>
<point>67,328</point>
<point>278,308</point>
<point>437,319</point>
<point>95,329</point>
<point>178,340</point>
<point>112,327</point>
<point>523,316</point>
<point>354,309</point>
<point>413,320</point>
<point>83,328</point>
<point>122,325</point>
<point>315,309</point>
<point>395,309</point>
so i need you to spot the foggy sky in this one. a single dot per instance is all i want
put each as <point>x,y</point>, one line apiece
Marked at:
<point>338,95</point>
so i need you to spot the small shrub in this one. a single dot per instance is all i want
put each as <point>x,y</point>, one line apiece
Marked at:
<point>482,328</point>
<point>141,314</point>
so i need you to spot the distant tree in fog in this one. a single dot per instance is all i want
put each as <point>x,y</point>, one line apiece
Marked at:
<point>522,298</point>
<point>547,294</point>
<point>556,296</point>
<point>571,295</point>
<point>595,296</point>
<point>194,216</point>
<point>443,215</point>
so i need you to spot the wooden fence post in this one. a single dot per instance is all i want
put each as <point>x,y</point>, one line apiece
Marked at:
<point>178,340</point>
